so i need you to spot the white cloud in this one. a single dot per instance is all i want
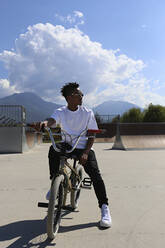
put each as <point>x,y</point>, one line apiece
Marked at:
<point>47,56</point>
<point>78,13</point>
<point>5,88</point>
<point>75,18</point>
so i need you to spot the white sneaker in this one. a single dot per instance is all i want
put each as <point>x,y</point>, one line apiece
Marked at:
<point>106,220</point>
<point>48,195</point>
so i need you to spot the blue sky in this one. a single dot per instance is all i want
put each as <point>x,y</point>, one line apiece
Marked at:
<point>114,48</point>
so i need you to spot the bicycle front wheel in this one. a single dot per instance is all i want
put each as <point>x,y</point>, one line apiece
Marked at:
<point>55,206</point>
<point>75,192</point>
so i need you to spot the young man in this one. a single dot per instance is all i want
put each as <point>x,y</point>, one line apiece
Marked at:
<point>74,118</point>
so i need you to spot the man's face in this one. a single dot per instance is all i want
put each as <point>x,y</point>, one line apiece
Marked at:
<point>77,97</point>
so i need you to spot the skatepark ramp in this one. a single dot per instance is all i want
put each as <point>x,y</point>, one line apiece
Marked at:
<point>139,142</point>
<point>14,136</point>
<point>139,136</point>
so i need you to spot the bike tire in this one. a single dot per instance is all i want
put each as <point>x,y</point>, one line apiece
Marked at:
<point>75,193</point>
<point>55,206</point>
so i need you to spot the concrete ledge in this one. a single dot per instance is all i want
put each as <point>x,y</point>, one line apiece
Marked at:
<point>139,142</point>
<point>10,139</point>
<point>105,140</point>
<point>17,140</point>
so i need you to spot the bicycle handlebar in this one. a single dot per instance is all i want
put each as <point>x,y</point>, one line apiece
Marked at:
<point>90,133</point>
<point>63,132</point>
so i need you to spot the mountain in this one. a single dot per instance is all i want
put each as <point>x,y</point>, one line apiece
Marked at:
<point>36,108</point>
<point>114,107</point>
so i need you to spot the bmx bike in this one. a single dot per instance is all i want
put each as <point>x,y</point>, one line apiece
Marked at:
<point>69,179</point>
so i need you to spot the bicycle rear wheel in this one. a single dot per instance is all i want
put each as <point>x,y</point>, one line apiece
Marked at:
<point>75,192</point>
<point>55,206</point>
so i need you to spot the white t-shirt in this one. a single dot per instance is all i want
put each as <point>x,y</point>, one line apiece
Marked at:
<point>74,122</point>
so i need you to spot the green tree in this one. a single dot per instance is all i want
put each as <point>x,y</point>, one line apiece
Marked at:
<point>132,116</point>
<point>154,113</point>
<point>116,119</point>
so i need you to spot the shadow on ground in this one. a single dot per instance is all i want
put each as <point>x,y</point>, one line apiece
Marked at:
<point>32,233</point>
<point>29,233</point>
<point>63,229</point>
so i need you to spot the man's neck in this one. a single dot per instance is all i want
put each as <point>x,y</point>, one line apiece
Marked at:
<point>72,107</point>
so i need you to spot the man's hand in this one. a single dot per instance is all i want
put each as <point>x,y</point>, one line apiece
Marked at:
<point>83,158</point>
<point>37,126</point>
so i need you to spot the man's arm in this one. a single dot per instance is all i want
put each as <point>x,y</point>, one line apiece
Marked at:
<point>84,156</point>
<point>89,145</point>
<point>48,123</point>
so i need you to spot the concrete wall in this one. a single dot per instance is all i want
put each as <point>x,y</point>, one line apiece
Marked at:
<point>132,129</point>
<point>16,140</point>
<point>10,139</point>
<point>110,130</point>
<point>142,128</point>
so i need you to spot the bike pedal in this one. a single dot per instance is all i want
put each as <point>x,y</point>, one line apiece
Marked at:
<point>86,183</point>
<point>43,204</point>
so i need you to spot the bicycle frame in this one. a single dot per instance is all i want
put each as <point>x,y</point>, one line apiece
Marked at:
<point>64,163</point>
<point>63,183</point>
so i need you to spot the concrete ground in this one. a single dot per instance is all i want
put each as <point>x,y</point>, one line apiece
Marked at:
<point>135,182</point>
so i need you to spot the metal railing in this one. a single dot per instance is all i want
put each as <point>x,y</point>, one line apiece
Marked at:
<point>12,115</point>
<point>106,118</point>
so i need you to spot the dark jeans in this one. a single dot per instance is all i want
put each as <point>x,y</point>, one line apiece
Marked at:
<point>91,168</point>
